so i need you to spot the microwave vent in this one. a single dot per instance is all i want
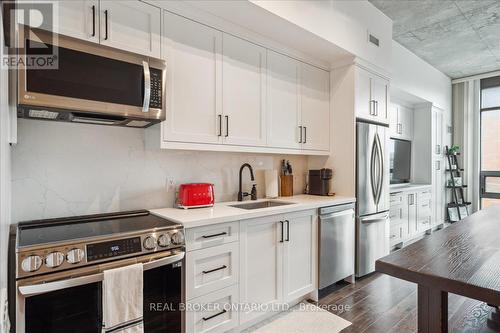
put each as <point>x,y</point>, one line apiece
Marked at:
<point>138,123</point>
<point>43,114</point>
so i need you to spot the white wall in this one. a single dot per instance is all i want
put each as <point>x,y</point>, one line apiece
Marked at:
<point>343,23</point>
<point>415,76</point>
<point>62,169</point>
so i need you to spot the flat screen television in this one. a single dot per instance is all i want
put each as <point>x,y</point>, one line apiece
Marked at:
<point>400,161</point>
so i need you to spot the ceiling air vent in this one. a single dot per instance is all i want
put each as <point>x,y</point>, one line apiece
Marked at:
<point>374,40</point>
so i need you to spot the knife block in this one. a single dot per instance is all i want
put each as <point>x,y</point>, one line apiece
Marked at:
<point>286,185</point>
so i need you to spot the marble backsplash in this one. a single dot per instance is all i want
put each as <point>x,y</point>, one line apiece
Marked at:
<point>62,169</point>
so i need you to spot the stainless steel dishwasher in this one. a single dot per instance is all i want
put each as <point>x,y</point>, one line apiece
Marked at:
<point>336,244</point>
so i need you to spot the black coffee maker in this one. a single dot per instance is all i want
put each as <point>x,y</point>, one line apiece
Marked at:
<point>319,181</point>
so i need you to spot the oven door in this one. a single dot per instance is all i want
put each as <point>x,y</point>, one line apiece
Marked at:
<point>74,304</point>
<point>91,78</point>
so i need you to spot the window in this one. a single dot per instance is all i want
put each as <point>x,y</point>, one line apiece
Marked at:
<point>490,142</point>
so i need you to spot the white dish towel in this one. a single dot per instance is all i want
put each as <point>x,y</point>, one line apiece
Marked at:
<point>122,298</point>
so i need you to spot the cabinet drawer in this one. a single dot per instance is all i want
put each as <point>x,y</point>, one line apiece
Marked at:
<point>396,198</point>
<point>210,269</point>
<point>213,312</point>
<point>424,223</point>
<point>396,234</point>
<point>424,195</point>
<point>424,209</point>
<point>212,235</point>
<point>396,214</point>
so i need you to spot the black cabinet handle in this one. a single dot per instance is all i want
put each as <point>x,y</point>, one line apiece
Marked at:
<point>305,134</point>
<point>227,126</point>
<point>215,315</point>
<point>106,24</point>
<point>215,235</point>
<point>215,269</point>
<point>282,231</point>
<point>93,20</point>
<point>220,124</point>
<point>287,230</point>
<point>300,131</point>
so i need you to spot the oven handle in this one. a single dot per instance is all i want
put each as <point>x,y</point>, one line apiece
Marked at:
<point>42,288</point>
<point>147,87</point>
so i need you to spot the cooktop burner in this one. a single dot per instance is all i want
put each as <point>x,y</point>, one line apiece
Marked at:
<point>92,226</point>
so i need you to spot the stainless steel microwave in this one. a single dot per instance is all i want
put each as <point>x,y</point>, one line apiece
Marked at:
<point>91,84</point>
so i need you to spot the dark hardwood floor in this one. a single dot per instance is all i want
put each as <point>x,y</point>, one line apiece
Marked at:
<point>380,303</point>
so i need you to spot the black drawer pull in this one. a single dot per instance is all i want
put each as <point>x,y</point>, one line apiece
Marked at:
<point>215,235</point>
<point>215,269</point>
<point>215,315</point>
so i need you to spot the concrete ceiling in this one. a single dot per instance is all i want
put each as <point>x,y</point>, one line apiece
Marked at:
<point>460,38</point>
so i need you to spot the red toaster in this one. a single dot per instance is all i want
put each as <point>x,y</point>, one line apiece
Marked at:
<point>195,195</point>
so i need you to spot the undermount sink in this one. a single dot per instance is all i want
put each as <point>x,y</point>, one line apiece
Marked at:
<point>261,204</point>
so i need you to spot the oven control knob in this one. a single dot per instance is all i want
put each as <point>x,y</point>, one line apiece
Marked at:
<point>150,243</point>
<point>54,259</point>
<point>164,240</point>
<point>178,238</point>
<point>31,263</point>
<point>74,256</point>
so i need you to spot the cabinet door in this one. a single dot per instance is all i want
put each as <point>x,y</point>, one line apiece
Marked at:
<point>243,92</point>
<point>261,262</point>
<point>405,118</point>
<point>412,213</point>
<point>78,19</point>
<point>363,102</point>
<point>133,26</point>
<point>299,253</point>
<point>439,189</point>
<point>193,83</point>
<point>283,119</point>
<point>315,107</point>
<point>437,129</point>
<point>380,91</point>
<point>394,121</point>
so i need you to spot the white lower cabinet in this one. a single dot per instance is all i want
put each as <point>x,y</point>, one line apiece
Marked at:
<point>278,262</point>
<point>258,263</point>
<point>211,269</point>
<point>214,312</point>
<point>410,214</point>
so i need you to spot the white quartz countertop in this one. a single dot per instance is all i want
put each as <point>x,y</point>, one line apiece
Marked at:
<point>407,187</point>
<point>223,212</point>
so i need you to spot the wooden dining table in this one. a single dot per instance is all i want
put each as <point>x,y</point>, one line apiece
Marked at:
<point>462,259</point>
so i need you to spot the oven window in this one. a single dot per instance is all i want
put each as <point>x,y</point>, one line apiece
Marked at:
<point>162,295</point>
<point>90,77</point>
<point>75,310</point>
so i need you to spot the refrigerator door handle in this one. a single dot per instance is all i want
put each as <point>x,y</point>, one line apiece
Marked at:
<point>375,218</point>
<point>380,178</point>
<point>373,180</point>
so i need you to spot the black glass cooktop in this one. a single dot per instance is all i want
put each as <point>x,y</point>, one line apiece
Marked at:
<point>89,226</point>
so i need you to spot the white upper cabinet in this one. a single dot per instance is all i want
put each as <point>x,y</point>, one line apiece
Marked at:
<point>229,94</point>
<point>244,92</point>
<point>283,126</point>
<point>315,107</point>
<point>371,96</point>
<point>78,19</point>
<point>193,53</point>
<point>134,26</point>
<point>401,122</point>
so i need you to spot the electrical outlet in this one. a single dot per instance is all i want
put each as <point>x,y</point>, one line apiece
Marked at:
<point>170,184</point>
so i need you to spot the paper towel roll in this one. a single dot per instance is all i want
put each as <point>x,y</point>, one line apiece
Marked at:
<point>271,178</point>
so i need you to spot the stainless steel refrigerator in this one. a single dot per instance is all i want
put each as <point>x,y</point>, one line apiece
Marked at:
<point>372,194</point>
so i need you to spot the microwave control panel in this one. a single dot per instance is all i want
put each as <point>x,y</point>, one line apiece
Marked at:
<point>156,88</point>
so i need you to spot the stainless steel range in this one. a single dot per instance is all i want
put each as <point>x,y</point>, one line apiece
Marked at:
<point>59,266</point>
